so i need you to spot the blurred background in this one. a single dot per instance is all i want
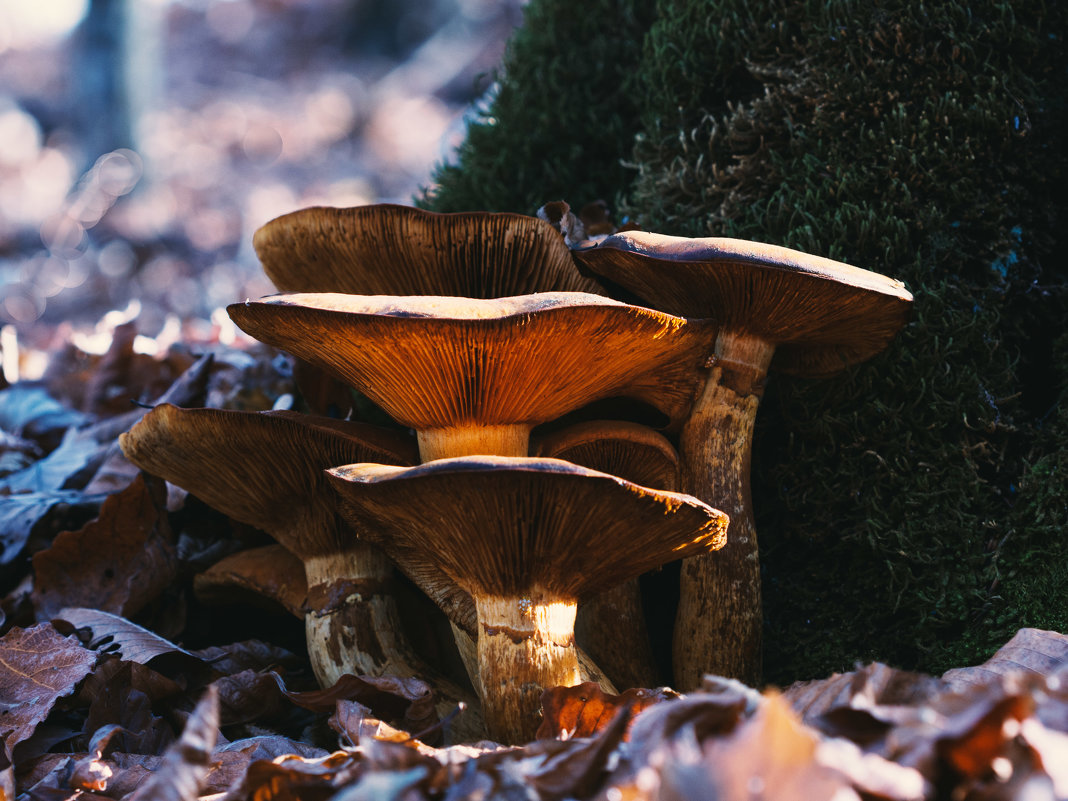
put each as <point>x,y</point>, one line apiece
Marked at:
<point>142,142</point>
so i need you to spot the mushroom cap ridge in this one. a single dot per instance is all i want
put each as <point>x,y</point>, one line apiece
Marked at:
<point>392,249</point>
<point>499,526</point>
<point>262,468</point>
<point>442,362</point>
<point>821,315</point>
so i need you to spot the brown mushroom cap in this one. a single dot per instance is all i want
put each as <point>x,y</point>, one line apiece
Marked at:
<point>620,447</point>
<point>262,468</point>
<point>443,362</point>
<point>500,525</point>
<point>401,250</point>
<point>269,571</point>
<point>821,315</point>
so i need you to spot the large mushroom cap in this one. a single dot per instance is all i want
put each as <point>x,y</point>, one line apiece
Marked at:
<point>821,315</point>
<point>500,525</point>
<point>440,362</point>
<point>262,468</point>
<point>400,250</point>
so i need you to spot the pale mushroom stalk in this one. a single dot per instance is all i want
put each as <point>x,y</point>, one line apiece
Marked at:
<point>525,645</point>
<point>611,625</point>
<point>723,595</point>
<point>526,538</point>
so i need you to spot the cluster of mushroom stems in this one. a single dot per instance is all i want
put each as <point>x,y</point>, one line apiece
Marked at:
<point>485,335</point>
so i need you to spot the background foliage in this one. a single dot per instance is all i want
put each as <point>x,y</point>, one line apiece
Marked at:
<point>914,509</point>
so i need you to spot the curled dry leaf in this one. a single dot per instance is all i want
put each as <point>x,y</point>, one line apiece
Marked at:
<point>292,778</point>
<point>585,709</point>
<point>36,515</point>
<point>248,655</point>
<point>873,684</point>
<point>115,634</point>
<point>1030,651</point>
<point>117,563</point>
<point>187,762</point>
<point>38,666</point>
<point>247,696</point>
<point>407,702</point>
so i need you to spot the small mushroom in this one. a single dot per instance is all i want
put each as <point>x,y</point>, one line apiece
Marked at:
<point>475,376</point>
<point>611,625</point>
<point>266,469</point>
<point>268,572</point>
<point>387,249</point>
<point>775,308</point>
<point>526,538</point>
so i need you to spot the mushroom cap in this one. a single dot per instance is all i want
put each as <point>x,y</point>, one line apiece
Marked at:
<point>442,362</point>
<point>500,526</point>
<point>401,250</point>
<point>821,315</point>
<point>269,571</point>
<point>620,447</point>
<point>262,468</point>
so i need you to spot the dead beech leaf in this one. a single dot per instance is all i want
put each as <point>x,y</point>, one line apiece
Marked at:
<point>247,696</point>
<point>38,666</point>
<point>1030,651</point>
<point>117,563</point>
<point>771,755</point>
<point>187,762</point>
<point>293,778</point>
<point>585,709</point>
<point>580,768</point>
<point>25,515</point>
<point>248,655</point>
<point>116,635</point>
<point>873,684</point>
<point>120,694</point>
<point>409,703</point>
<point>119,635</point>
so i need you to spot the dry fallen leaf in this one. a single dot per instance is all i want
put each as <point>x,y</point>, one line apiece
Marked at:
<point>117,563</point>
<point>585,709</point>
<point>409,703</point>
<point>187,762</point>
<point>38,666</point>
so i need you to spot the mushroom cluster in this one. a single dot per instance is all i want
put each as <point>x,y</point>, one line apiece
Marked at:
<point>505,501</point>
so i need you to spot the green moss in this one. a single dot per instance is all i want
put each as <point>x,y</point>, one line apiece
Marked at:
<point>920,141</point>
<point>563,116</point>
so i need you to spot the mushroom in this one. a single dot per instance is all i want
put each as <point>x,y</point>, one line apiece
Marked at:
<point>386,249</point>
<point>474,376</point>
<point>611,625</point>
<point>266,572</point>
<point>526,538</point>
<point>401,250</point>
<point>266,469</point>
<point>776,308</point>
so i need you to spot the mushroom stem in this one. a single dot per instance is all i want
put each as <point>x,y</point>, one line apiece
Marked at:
<point>351,615</point>
<point>353,626</point>
<point>473,440</point>
<point>525,646</point>
<point>719,620</point>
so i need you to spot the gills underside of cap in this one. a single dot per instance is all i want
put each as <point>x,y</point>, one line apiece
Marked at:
<point>446,362</point>
<point>500,525</point>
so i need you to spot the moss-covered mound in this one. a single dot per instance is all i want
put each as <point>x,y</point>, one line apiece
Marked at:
<point>563,113</point>
<point>914,510</point>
